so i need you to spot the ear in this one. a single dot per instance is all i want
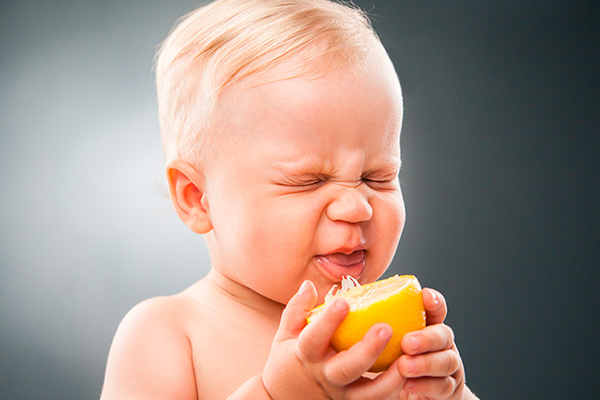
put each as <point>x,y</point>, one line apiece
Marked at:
<point>186,186</point>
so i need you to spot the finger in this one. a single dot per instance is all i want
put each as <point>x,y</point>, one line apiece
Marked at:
<point>431,338</point>
<point>437,388</point>
<point>314,340</point>
<point>437,364</point>
<point>435,306</point>
<point>293,318</point>
<point>347,366</point>
<point>386,385</point>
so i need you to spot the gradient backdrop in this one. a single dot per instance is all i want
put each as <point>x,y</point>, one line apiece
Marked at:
<point>501,179</point>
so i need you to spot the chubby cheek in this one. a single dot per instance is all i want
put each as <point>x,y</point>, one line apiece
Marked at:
<point>278,230</point>
<point>385,231</point>
<point>273,242</point>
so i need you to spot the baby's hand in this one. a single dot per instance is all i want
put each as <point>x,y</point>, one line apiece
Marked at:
<point>302,364</point>
<point>431,361</point>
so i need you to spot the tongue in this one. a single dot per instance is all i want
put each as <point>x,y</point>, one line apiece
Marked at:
<point>346,259</point>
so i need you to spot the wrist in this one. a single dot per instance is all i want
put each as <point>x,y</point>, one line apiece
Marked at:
<point>253,389</point>
<point>262,382</point>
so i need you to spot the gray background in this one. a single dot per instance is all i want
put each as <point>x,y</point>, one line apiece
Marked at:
<point>501,181</point>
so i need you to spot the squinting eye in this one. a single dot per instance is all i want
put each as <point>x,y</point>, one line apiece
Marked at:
<point>310,183</point>
<point>381,183</point>
<point>305,185</point>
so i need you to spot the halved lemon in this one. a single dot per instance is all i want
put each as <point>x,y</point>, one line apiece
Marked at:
<point>395,301</point>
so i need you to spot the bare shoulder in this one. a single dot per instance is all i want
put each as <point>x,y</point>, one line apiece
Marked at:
<point>168,313</point>
<point>151,355</point>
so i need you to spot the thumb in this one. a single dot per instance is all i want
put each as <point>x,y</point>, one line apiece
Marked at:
<point>293,319</point>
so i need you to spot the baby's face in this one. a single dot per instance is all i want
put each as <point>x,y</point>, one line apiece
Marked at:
<point>310,190</point>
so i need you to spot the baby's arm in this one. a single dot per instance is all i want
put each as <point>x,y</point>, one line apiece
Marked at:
<point>150,357</point>
<point>431,361</point>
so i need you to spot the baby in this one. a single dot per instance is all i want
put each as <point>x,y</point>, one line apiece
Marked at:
<point>280,123</point>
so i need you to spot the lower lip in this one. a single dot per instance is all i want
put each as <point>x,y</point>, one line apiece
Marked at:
<point>335,272</point>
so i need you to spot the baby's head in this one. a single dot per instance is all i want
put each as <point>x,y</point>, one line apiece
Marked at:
<point>280,123</point>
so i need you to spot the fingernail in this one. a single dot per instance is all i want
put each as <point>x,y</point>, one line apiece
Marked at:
<point>409,384</point>
<point>340,305</point>
<point>434,298</point>
<point>413,344</point>
<point>303,287</point>
<point>411,365</point>
<point>385,334</point>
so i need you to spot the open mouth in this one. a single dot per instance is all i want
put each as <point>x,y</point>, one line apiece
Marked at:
<point>338,265</point>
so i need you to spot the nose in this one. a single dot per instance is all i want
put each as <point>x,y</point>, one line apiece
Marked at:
<point>351,204</point>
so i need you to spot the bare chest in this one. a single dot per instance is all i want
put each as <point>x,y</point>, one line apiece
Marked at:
<point>227,351</point>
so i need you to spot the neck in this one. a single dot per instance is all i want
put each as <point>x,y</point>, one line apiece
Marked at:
<point>244,295</point>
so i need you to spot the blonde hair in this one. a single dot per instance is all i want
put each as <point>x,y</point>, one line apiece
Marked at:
<point>229,40</point>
